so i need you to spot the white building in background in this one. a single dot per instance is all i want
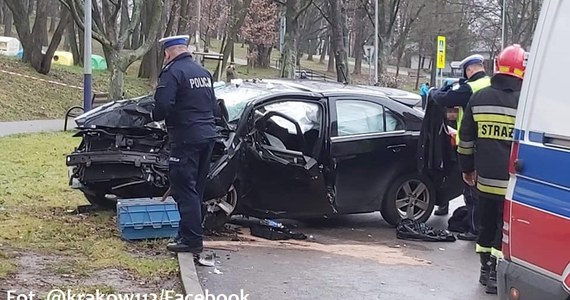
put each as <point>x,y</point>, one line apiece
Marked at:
<point>9,46</point>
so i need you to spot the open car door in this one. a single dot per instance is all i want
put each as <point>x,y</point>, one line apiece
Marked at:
<point>284,180</point>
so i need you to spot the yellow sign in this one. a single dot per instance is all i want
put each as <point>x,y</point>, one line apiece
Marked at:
<point>440,52</point>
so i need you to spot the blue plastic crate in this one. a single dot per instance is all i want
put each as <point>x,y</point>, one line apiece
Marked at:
<point>147,218</point>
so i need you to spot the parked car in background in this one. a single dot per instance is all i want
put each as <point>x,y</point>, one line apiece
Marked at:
<point>286,149</point>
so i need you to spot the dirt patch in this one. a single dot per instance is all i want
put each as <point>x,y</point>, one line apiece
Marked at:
<point>378,253</point>
<point>41,273</point>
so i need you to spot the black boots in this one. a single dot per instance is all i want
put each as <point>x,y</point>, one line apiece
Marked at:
<point>485,267</point>
<point>491,287</point>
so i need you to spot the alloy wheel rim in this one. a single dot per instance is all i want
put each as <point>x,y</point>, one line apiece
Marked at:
<point>412,199</point>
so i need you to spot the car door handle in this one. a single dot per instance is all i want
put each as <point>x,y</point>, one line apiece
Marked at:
<point>396,148</point>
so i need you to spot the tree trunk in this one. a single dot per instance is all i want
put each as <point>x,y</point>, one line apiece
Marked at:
<point>64,21</point>
<point>330,66</point>
<point>183,19</point>
<point>324,51</point>
<point>125,20</point>
<point>53,19</point>
<point>72,42</point>
<point>359,40</point>
<point>340,43</point>
<point>290,47</point>
<point>31,7</point>
<point>263,58</point>
<point>117,81</point>
<point>136,37</point>
<point>8,20</point>
<point>311,50</point>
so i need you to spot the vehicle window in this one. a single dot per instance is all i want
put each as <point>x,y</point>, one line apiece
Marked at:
<point>393,122</point>
<point>360,117</point>
<point>283,134</point>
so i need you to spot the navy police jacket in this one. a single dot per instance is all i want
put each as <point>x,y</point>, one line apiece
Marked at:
<point>185,99</point>
<point>457,94</point>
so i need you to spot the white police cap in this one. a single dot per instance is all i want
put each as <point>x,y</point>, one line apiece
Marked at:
<point>174,40</point>
<point>471,59</point>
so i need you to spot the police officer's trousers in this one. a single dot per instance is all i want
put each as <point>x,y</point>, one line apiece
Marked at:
<point>471,197</point>
<point>491,226</point>
<point>188,168</point>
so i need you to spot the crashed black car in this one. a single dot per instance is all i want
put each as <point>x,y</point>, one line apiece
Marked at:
<point>289,149</point>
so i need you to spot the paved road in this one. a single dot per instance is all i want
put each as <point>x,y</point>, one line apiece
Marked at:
<point>362,259</point>
<point>8,128</point>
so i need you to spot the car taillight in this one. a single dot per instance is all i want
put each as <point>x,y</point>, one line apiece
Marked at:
<point>567,282</point>
<point>506,229</point>
<point>514,157</point>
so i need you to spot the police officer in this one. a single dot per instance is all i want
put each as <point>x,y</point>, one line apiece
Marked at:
<point>457,95</point>
<point>486,135</point>
<point>185,99</point>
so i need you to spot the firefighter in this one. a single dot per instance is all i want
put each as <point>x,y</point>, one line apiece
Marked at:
<point>486,135</point>
<point>185,99</point>
<point>457,95</point>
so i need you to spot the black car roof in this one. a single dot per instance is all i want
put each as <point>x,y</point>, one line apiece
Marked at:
<point>325,88</point>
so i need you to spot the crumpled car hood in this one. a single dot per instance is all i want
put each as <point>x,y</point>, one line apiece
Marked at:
<point>119,114</point>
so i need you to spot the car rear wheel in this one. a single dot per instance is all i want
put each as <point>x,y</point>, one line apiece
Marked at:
<point>99,200</point>
<point>409,197</point>
<point>220,210</point>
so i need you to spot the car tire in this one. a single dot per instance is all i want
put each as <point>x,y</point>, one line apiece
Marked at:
<point>405,189</point>
<point>215,220</point>
<point>99,200</point>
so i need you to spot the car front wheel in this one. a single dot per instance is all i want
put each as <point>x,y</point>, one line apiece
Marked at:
<point>409,197</point>
<point>218,211</point>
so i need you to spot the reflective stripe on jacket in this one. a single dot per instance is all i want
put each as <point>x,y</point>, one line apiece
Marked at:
<point>487,133</point>
<point>475,87</point>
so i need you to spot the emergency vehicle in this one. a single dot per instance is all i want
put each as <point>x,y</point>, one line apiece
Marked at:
<point>536,230</point>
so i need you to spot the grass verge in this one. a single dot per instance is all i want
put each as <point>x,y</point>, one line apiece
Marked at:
<point>31,99</point>
<point>36,214</point>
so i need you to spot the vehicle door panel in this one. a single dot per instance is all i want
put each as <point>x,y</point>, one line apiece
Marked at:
<point>284,181</point>
<point>364,164</point>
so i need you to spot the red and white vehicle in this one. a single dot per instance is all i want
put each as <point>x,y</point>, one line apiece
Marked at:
<point>536,231</point>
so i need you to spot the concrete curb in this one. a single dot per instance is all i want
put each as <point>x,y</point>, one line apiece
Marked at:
<point>190,282</point>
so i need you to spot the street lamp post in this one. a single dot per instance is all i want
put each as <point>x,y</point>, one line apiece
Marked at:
<point>503,17</point>
<point>87,77</point>
<point>376,41</point>
<point>199,17</point>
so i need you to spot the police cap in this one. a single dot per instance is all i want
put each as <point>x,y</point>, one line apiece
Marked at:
<point>174,40</point>
<point>470,60</point>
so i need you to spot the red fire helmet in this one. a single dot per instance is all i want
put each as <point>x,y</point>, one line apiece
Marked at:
<point>511,61</point>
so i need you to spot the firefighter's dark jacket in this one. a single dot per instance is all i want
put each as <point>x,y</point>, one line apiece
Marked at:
<point>435,154</point>
<point>185,99</point>
<point>487,133</point>
<point>457,94</point>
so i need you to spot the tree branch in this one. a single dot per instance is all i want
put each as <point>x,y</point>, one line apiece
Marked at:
<point>303,9</point>
<point>152,34</point>
<point>323,14</point>
<point>279,2</point>
<point>136,18</point>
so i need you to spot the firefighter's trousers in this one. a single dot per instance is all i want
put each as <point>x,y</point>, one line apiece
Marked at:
<point>490,226</point>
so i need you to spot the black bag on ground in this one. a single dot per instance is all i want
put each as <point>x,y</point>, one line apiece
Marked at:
<point>458,221</point>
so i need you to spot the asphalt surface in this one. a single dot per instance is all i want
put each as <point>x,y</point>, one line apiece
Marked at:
<point>370,264</point>
<point>9,128</point>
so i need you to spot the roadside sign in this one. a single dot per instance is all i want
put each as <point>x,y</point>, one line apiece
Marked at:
<point>441,52</point>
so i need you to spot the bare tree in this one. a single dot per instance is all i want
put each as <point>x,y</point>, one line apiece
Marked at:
<point>112,29</point>
<point>338,20</point>
<point>33,37</point>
